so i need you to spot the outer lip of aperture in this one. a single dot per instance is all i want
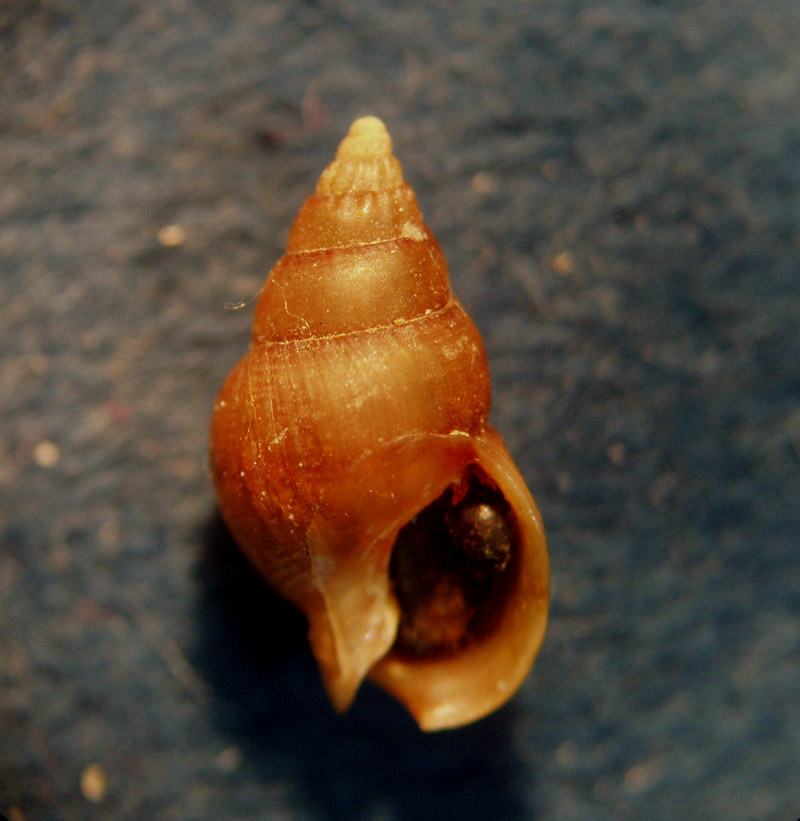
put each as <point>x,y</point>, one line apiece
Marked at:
<point>453,690</point>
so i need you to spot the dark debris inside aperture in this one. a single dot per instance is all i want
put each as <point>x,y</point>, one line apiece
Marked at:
<point>446,563</point>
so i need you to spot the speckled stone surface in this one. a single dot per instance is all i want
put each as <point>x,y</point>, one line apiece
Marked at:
<point>617,189</point>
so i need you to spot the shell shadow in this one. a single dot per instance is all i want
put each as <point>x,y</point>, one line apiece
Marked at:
<point>372,762</point>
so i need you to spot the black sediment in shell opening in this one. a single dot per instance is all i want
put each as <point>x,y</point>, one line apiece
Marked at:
<point>450,565</point>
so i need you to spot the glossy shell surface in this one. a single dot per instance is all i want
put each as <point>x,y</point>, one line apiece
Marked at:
<point>362,400</point>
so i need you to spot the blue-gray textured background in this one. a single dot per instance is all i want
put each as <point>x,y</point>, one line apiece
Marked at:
<point>617,189</point>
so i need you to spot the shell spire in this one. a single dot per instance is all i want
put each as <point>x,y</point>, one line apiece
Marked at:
<point>359,254</point>
<point>355,466</point>
<point>361,196</point>
<point>364,161</point>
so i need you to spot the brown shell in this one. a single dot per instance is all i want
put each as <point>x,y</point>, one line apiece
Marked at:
<point>362,401</point>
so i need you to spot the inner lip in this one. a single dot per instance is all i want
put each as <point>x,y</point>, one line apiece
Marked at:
<point>449,566</point>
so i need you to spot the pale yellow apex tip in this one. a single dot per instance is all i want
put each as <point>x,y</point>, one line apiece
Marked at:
<point>367,138</point>
<point>367,125</point>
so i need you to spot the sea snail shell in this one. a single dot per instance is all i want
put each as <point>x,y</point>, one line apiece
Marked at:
<point>355,467</point>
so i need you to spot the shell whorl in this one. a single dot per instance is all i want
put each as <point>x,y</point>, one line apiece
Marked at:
<point>359,255</point>
<point>364,161</point>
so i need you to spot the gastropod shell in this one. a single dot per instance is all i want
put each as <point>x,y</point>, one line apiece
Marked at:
<point>355,466</point>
